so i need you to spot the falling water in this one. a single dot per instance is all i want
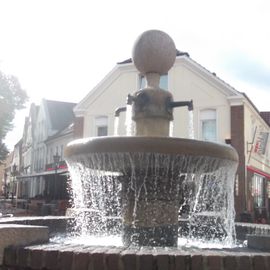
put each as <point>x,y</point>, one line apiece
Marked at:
<point>129,123</point>
<point>190,125</point>
<point>116,125</point>
<point>203,186</point>
<point>171,129</point>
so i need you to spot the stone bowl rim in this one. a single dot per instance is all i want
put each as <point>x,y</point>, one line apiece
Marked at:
<point>144,144</point>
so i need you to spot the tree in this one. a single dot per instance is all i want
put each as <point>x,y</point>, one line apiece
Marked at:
<point>3,152</point>
<point>12,98</point>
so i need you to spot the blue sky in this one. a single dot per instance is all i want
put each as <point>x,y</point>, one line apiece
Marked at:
<point>60,49</point>
<point>246,68</point>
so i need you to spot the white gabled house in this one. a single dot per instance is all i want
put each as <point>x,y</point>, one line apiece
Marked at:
<point>47,130</point>
<point>186,80</point>
<point>221,114</point>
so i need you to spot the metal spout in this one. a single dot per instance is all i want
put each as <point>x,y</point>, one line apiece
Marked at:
<point>173,104</point>
<point>119,110</point>
<point>130,99</point>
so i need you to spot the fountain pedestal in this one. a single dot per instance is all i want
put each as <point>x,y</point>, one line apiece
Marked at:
<point>150,112</point>
<point>150,211</point>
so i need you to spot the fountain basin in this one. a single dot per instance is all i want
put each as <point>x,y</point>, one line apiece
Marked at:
<point>144,181</point>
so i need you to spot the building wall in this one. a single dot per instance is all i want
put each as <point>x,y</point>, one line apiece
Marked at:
<point>247,130</point>
<point>238,142</point>
<point>112,97</point>
<point>257,149</point>
<point>41,133</point>
<point>186,84</point>
<point>28,140</point>
<point>78,127</point>
<point>57,146</point>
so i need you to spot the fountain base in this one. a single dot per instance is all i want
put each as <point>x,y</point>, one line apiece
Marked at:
<point>162,236</point>
<point>79,257</point>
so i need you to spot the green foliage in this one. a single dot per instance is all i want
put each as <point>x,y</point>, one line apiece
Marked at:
<point>12,98</point>
<point>3,152</point>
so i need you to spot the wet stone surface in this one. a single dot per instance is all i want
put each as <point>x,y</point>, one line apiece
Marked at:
<point>56,224</point>
<point>70,256</point>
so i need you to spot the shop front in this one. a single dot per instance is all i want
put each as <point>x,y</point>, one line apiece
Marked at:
<point>43,193</point>
<point>260,195</point>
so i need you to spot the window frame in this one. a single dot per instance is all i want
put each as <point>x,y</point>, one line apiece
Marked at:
<point>141,77</point>
<point>201,122</point>
<point>101,125</point>
<point>258,184</point>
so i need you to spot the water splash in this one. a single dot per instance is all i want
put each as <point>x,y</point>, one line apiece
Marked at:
<point>203,186</point>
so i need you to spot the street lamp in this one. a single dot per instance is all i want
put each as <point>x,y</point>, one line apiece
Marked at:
<point>56,159</point>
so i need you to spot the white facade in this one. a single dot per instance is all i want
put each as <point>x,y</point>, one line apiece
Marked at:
<point>186,80</point>
<point>221,114</point>
<point>28,140</point>
<point>57,144</point>
<point>42,131</point>
<point>43,138</point>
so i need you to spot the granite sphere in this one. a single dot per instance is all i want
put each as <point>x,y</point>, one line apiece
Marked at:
<point>154,51</point>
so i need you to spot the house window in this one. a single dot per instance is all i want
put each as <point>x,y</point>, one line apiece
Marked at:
<point>102,131</point>
<point>101,124</point>
<point>208,124</point>
<point>163,82</point>
<point>258,190</point>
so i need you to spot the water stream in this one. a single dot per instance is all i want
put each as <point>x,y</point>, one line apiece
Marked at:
<point>171,129</point>
<point>116,125</point>
<point>191,125</point>
<point>129,123</point>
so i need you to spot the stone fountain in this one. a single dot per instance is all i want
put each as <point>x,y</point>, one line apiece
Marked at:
<point>152,189</point>
<point>142,182</point>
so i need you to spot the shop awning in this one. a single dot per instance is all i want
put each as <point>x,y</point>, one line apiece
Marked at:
<point>255,170</point>
<point>21,177</point>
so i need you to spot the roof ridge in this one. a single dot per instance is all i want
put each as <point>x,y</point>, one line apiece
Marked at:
<point>129,60</point>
